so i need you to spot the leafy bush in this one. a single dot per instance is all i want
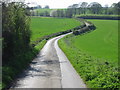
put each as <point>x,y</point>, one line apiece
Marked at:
<point>106,17</point>
<point>84,27</point>
<point>16,38</point>
<point>16,31</point>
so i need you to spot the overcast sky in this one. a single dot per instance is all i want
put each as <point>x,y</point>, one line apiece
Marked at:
<point>66,3</point>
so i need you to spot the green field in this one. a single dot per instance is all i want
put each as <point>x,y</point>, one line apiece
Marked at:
<point>103,42</point>
<point>43,10</point>
<point>42,26</point>
<point>94,55</point>
<point>47,10</point>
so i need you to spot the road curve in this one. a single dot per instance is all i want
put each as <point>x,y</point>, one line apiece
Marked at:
<point>50,69</point>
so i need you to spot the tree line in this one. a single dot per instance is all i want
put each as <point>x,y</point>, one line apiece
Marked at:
<point>39,7</point>
<point>83,8</point>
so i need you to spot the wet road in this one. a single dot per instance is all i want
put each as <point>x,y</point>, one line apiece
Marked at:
<point>50,69</point>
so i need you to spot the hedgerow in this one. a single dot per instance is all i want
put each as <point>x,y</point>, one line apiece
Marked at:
<point>17,51</point>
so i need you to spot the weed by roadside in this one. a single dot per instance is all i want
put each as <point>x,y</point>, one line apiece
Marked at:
<point>14,68</point>
<point>97,73</point>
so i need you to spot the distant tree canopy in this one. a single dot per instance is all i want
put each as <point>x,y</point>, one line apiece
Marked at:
<point>85,8</point>
<point>95,8</point>
<point>15,29</point>
<point>46,7</point>
<point>81,8</point>
<point>37,7</point>
<point>40,7</point>
<point>117,8</point>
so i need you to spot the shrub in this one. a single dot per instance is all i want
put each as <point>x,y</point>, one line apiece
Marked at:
<point>16,31</point>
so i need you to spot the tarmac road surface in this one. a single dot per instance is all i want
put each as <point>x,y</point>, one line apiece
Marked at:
<point>50,69</point>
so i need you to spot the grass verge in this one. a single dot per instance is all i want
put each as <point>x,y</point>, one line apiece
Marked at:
<point>97,73</point>
<point>94,55</point>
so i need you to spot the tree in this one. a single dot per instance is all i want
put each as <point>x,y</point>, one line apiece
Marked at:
<point>62,13</point>
<point>46,13</point>
<point>106,9</point>
<point>46,7</point>
<point>69,12</point>
<point>113,5</point>
<point>112,9</point>
<point>39,6</point>
<point>32,13</point>
<point>74,7</point>
<point>117,8</point>
<point>15,30</point>
<point>58,13</point>
<point>53,13</point>
<point>37,13</point>
<point>83,7</point>
<point>95,7</point>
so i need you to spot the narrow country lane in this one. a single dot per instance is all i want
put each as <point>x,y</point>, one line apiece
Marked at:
<point>50,69</point>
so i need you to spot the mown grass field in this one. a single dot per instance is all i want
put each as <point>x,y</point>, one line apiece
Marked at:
<point>42,26</point>
<point>103,42</point>
<point>95,55</point>
<point>43,10</point>
<point>47,10</point>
